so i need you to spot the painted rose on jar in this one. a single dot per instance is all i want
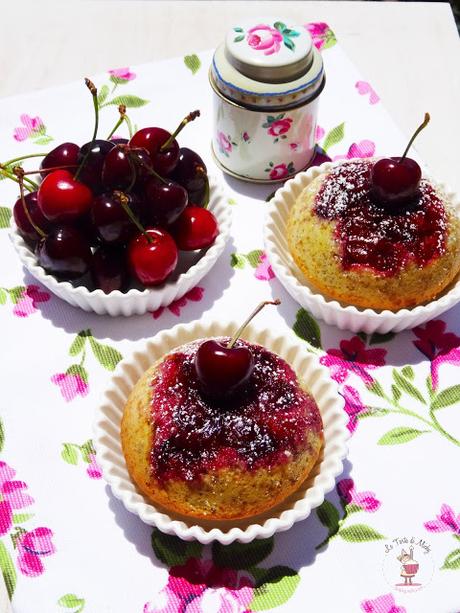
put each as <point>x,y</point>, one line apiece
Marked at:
<point>277,126</point>
<point>264,38</point>
<point>280,171</point>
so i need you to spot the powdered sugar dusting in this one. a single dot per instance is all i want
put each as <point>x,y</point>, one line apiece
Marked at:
<point>372,237</point>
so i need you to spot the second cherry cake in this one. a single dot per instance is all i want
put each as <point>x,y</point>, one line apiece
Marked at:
<point>220,430</point>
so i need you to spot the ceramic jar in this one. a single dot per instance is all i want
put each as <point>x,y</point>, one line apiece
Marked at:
<point>266,79</point>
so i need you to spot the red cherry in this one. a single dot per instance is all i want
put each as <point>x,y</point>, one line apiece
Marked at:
<point>62,198</point>
<point>163,160</point>
<point>25,229</point>
<point>395,180</point>
<point>152,256</point>
<point>62,155</point>
<point>64,253</point>
<point>196,228</point>
<point>164,201</point>
<point>223,371</point>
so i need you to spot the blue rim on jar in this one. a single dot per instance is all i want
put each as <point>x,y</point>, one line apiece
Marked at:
<point>266,79</point>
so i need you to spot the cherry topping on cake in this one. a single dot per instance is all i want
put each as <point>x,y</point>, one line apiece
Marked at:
<point>395,180</point>
<point>224,370</point>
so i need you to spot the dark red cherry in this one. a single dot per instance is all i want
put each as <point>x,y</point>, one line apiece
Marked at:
<point>154,258</point>
<point>152,139</point>
<point>109,270</point>
<point>124,164</point>
<point>196,228</point>
<point>91,173</point>
<point>111,221</point>
<point>191,173</point>
<point>62,155</point>
<point>395,181</point>
<point>222,371</point>
<point>119,141</point>
<point>61,198</point>
<point>25,229</point>
<point>164,202</point>
<point>64,253</point>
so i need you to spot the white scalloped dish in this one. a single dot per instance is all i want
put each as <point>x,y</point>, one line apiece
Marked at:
<point>295,508</point>
<point>344,316</point>
<point>192,267</point>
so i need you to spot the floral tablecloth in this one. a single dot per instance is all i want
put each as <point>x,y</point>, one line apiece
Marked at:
<point>386,540</point>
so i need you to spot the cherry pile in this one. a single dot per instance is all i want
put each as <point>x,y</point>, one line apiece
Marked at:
<point>117,210</point>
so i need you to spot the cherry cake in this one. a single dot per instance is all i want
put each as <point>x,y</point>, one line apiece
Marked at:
<point>370,238</point>
<point>220,456</point>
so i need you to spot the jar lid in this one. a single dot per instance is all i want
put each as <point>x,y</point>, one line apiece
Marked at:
<point>267,63</point>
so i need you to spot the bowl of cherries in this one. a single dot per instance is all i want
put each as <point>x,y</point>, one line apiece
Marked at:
<point>119,226</point>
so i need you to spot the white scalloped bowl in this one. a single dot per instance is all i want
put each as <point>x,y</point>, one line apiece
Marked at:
<point>295,508</point>
<point>344,316</point>
<point>192,267</point>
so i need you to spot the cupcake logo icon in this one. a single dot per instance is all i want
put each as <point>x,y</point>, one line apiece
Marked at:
<point>408,565</point>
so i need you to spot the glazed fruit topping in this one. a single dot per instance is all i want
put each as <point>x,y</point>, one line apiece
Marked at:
<point>371,236</point>
<point>263,426</point>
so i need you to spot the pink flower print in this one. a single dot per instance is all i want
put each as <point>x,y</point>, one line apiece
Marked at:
<point>31,125</point>
<point>319,133</point>
<point>365,500</point>
<point>353,406</point>
<point>93,469</point>
<point>124,74</point>
<point>382,604</point>
<point>245,136</point>
<point>321,34</point>
<point>166,601</point>
<point>280,126</point>
<point>446,521</point>
<point>221,600</point>
<point>70,385</point>
<point>32,546</point>
<point>29,300</point>
<point>363,149</point>
<point>279,172</point>
<point>264,271</point>
<point>264,38</point>
<point>294,146</point>
<point>195,295</point>
<point>364,88</point>
<point>439,346</point>
<point>353,357</point>
<point>224,142</point>
<point>13,497</point>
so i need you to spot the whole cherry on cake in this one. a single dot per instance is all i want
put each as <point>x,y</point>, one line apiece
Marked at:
<point>395,180</point>
<point>114,198</point>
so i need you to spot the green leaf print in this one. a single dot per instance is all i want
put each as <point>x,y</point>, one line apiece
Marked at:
<point>238,38</point>
<point>16,293</point>
<point>275,588</point>
<point>237,260</point>
<point>72,601</point>
<point>173,551</point>
<point>408,372</point>
<point>359,533</point>
<point>306,327</point>
<point>452,561</point>
<point>241,555</point>
<point>377,338</point>
<point>193,62</point>
<point>396,392</point>
<point>78,344</point>
<point>447,397</point>
<point>401,435</point>
<point>329,516</point>
<point>2,435</point>
<point>20,518</point>
<point>5,216</point>
<point>86,450</point>
<point>70,453</point>
<point>43,140</point>
<point>107,356</point>
<point>280,26</point>
<point>334,136</point>
<point>253,257</point>
<point>102,94</point>
<point>79,370</point>
<point>406,386</point>
<point>429,387</point>
<point>129,101</point>
<point>3,296</point>
<point>8,570</point>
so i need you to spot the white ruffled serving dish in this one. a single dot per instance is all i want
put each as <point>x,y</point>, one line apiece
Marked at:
<point>192,267</point>
<point>344,316</point>
<point>295,508</point>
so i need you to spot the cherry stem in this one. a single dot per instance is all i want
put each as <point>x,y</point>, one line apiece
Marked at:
<point>132,166</point>
<point>190,117</point>
<point>423,125</point>
<point>240,330</point>
<point>10,174</point>
<point>124,201</point>
<point>92,88</point>
<point>35,172</point>
<point>19,172</point>
<point>206,189</point>
<point>121,119</point>
<point>24,157</point>
<point>150,170</point>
